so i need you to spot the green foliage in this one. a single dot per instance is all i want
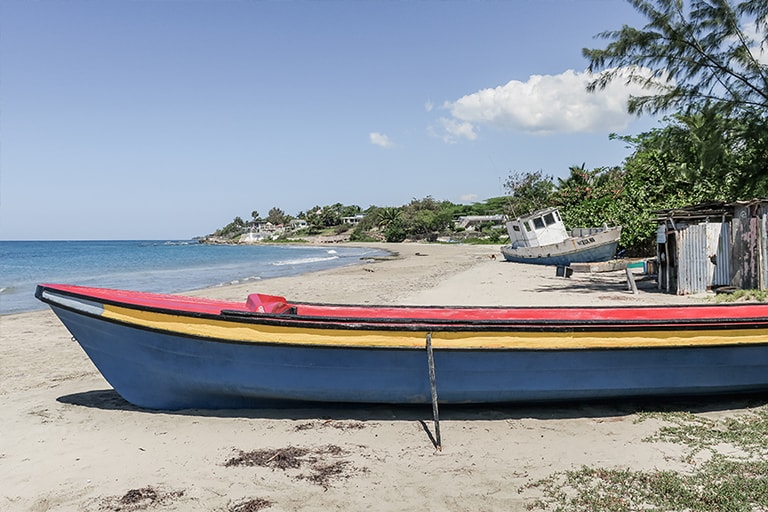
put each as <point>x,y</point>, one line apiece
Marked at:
<point>718,485</point>
<point>708,156</point>
<point>277,216</point>
<point>341,229</point>
<point>590,198</point>
<point>527,192</point>
<point>699,57</point>
<point>491,206</point>
<point>322,217</point>
<point>743,296</point>
<point>349,210</point>
<point>688,55</point>
<point>395,232</point>
<point>233,229</point>
<point>386,216</point>
<point>747,432</point>
<point>361,234</point>
<point>695,157</point>
<point>426,218</point>
<point>749,178</point>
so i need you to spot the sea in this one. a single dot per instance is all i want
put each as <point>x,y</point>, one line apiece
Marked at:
<point>161,266</point>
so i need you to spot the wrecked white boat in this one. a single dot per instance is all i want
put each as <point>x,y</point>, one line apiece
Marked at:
<point>541,238</point>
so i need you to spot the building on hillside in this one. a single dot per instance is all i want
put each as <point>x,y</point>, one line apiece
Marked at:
<point>297,224</point>
<point>253,237</point>
<point>262,231</point>
<point>353,220</point>
<point>713,245</point>
<point>471,222</point>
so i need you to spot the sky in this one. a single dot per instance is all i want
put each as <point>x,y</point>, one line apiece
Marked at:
<point>166,119</point>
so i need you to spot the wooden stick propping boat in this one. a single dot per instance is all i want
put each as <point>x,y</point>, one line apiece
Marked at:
<point>174,352</point>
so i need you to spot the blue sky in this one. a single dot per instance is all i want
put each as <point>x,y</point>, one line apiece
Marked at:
<point>165,119</point>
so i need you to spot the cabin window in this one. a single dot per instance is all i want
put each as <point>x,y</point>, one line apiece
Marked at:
<point>515,227</point>
<point>527,226</point>
<point>549,219</point>
<point>556,215</point>
<point>538,223</point>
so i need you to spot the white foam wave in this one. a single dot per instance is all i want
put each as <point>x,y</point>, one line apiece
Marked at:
<point>304,261</point>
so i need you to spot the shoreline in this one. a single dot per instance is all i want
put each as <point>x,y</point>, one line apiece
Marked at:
<point>174,268</point>
<point>60,413</point>
<point>451,275</point>
<point>419,272</point>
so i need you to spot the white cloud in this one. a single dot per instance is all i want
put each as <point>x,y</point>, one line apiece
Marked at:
<point>379,139</point>
<point>452,130</point>
<point>468,198</point>
<point>429,106</point>
<point>544,104</point>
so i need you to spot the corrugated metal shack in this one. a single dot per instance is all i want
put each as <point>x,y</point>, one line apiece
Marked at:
<point>713,245</point>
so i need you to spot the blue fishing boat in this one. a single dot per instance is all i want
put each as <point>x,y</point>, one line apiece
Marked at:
<point>175,352</point>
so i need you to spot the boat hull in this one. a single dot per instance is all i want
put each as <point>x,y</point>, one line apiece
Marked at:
<point>191,360</point>
<point>588,249</point>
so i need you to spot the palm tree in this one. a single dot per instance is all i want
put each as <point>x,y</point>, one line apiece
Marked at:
<point>387,216</point>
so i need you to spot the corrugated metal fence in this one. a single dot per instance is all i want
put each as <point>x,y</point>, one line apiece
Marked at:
<point>703,258</point>
<point>703,254</point>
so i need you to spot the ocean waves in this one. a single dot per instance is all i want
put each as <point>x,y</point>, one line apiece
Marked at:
<point>153,266</point>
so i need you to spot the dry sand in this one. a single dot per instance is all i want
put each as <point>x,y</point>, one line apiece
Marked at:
<point>70,443</point>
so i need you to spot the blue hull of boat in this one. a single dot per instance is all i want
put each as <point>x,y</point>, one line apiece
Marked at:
<point>591,255</point>
<point>161,370</point>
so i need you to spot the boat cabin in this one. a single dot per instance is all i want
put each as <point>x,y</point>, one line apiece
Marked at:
<point>542,227</point>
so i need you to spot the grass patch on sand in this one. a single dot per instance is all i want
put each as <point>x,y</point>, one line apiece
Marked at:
<point>742,296</point>
<point>733,478</point>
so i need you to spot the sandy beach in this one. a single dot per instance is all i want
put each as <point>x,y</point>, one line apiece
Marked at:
<point>68,442</point>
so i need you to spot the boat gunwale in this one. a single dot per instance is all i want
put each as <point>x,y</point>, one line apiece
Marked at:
<point>314,346</point>
<point>431,325</point>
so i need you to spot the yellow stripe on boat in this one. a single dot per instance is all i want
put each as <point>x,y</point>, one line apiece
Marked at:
<point>226,330</point>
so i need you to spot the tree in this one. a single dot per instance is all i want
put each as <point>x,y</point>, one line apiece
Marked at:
<point>655,179</point>
<point>233,229</point>
<point>706,156</point>
<point>314,220</point>
<point>255,217</point>
<point>331,215</point>
<point>752,160</point>
<point>386,216</point>
<point>277,216</point>
<point>702,58</point>
<point>689,58</point>
<point>395,232</point>
<point>350,210</point>
<point>590,198</point>
<point>527,192</point>
<point>425,218</point>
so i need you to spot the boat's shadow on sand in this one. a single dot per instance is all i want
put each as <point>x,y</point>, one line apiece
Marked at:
<point>108,399</point>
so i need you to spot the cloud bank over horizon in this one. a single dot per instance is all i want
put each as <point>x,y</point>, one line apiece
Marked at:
<point>542,105</point>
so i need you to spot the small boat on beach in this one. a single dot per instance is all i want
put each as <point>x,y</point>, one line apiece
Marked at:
<point>541,238</point>
<point>173,352</point>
